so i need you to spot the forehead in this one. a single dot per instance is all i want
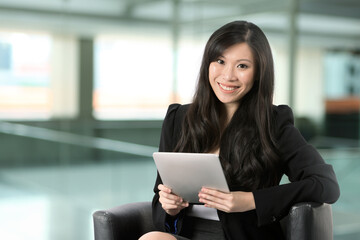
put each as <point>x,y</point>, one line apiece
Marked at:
<point>238,51</point>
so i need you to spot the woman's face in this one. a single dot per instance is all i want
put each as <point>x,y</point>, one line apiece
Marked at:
<point>231,76</point>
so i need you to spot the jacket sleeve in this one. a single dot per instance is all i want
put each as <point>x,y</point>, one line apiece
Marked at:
<point>311,179</point>
<point>161,220</point>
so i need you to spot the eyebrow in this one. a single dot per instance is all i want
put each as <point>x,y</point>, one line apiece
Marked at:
<point>244,59</point>
<point>239,60</point>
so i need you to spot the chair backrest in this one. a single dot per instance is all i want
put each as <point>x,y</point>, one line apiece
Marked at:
<point>308,221</point>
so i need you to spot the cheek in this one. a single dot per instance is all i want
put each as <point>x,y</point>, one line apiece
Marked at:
<point>248,78</point>
<point>213,72</point>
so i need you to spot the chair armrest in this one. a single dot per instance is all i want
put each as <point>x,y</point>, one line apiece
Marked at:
<point>128,221</point>
<point>310,221</point>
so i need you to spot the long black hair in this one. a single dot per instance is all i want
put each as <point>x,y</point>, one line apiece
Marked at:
<point>247,145</point>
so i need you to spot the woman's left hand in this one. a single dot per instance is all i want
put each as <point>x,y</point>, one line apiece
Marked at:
<point>227,202</point>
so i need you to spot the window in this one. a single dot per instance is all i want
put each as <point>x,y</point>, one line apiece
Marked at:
<point>133,77</point>
<point>24,75</point>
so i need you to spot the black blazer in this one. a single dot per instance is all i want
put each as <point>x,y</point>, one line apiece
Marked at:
<point>311,179</point>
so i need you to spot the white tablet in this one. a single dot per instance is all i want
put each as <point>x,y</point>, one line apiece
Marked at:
<point>187,173</point>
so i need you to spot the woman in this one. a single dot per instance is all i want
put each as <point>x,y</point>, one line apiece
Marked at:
<point>232,115</point>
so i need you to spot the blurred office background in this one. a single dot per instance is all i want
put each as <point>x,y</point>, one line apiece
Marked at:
<point>84,86</point>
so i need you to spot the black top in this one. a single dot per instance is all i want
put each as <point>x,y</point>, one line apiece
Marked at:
<point>311,180</point>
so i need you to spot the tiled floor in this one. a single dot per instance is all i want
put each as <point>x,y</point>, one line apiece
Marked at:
<point>56,203</point>
<point>346,210</point>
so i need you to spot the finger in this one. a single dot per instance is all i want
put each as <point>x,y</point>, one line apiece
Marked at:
<point>214,201</point>
<point>209,198</point>
<point>162,187</point>
<point>167,192</point>
<point>173,205</point>
<point>172,199</point>
<point>212,204</point>
<point>214,193</point>
<point>168,204</point>
<point>170,196</point>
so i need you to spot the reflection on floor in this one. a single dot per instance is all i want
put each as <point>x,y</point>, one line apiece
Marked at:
<point>56,203</point>
<point>346,210</point>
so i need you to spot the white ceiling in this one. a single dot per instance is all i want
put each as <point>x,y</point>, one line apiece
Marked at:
<point>331,19</point>
<point>161,10</point>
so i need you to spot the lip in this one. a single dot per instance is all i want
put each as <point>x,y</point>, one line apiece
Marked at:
<point>221,87</point>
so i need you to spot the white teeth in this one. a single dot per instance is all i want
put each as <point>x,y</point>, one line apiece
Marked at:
<point>227,88</point>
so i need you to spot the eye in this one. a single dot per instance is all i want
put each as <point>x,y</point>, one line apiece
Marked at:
<point>242,66</point>
<point>220,61</point>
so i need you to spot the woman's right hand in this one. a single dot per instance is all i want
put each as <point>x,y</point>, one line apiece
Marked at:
<point>170,202</point>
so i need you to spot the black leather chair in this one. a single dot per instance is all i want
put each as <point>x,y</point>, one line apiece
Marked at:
<point>305,221</point>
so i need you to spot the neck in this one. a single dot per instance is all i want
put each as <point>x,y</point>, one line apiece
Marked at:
<point>226,115</point>
<point>230,109</point>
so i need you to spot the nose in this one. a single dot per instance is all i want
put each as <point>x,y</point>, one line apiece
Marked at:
<point>228,73</point>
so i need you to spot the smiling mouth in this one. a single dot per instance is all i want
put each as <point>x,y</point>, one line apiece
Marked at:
<point>227,88</point>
